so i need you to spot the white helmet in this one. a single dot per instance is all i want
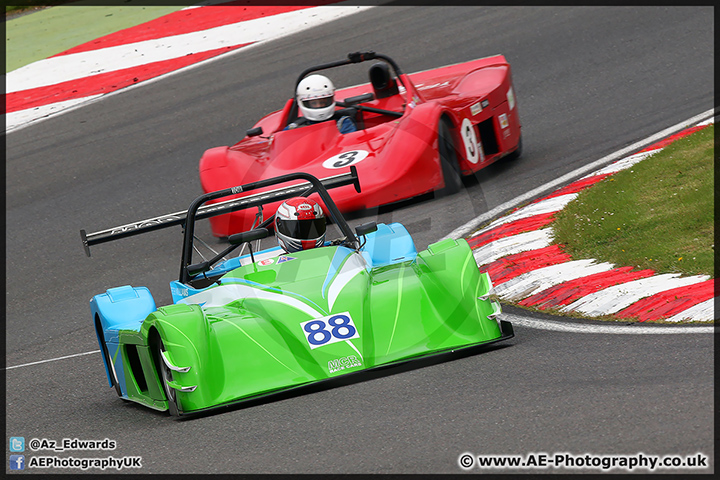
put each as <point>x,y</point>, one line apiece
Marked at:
<point>316,98</point>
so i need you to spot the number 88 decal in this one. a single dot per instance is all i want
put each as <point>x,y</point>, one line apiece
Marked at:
<point>330,329</point>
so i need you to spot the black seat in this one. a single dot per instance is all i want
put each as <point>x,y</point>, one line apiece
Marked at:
<point>382,81</point>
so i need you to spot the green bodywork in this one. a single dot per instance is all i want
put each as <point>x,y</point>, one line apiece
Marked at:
<point>244,337</point>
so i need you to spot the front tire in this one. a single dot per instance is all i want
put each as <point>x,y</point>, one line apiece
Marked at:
<point>448,160</point>
<point>106,354</point>
<point>166,376</point>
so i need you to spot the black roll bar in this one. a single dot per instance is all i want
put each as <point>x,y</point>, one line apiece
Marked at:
<point>355,57</point>
<point>197,211</point>
<point>316,186</point>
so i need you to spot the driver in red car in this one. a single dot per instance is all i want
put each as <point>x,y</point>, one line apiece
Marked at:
<point>316,100</point>
<point>300,224</point>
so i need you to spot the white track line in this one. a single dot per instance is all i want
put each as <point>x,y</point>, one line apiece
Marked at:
<point>52,359</point>
<point>623,164</point>
<point>633,329</point>
<point>465,229</point>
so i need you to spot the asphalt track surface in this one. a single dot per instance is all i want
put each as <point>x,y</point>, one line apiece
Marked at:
<point>589,81</point>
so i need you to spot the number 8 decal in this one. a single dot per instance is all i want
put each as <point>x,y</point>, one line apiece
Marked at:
<point>315,328</point>
<point>342,330</point>
<point>330,329</point>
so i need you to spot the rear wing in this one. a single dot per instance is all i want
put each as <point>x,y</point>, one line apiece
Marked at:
<point>197,211</point>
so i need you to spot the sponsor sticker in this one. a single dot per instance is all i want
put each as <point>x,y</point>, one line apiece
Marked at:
<point>345,159</point>
<point>485,103</point>
<point>328,330</point>
<point>267,261</point>
<point>503,121</point>
<point>182,292</point>
<point>284,259</point>
<point>343,363</point>
<point>475,109</point>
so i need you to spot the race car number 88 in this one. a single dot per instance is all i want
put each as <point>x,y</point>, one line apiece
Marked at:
<point>330,329</point>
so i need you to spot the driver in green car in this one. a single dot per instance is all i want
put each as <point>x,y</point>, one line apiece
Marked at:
<point>300,224</point>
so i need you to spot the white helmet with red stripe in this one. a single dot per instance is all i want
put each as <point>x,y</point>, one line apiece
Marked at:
<point>299,224</point>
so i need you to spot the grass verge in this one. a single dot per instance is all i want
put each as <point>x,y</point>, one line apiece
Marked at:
<point>657,214</point>
<point>22,6</point>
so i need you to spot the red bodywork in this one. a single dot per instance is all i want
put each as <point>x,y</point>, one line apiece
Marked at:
<point>396,157</point>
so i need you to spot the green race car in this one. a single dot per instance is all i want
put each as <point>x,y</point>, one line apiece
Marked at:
<point>245,326</point>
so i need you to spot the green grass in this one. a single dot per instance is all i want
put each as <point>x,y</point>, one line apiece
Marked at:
<point>657,214</point>
<point>39,33</point>
<point>24,5</point>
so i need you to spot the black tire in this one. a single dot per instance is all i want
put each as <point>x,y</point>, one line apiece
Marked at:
<point>516,154</point>
<point>448,160</point>
<point>106,355</point>
<point>165,377</point>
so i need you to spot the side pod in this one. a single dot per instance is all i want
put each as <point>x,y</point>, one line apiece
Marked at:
<point>120,308</point>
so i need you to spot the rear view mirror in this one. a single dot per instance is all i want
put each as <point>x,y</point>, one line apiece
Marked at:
<point>365,97</point>
<point>198,268</point>
<point>366,228</point>
<point>252,235</point>
<point>254,132</point>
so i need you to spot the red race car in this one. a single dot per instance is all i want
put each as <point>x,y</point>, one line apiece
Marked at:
<point>406,135</point>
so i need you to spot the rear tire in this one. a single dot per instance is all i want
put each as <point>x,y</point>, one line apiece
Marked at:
<point>518,151</point>
<point>165,377</point>
<point>448,160</point>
